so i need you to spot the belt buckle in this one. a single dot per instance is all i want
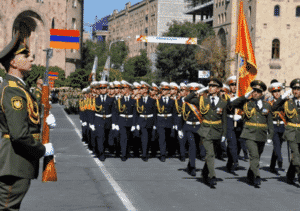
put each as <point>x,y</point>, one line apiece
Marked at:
<point>104,116</point>
<point>126,116</point>
<point>194,123</point>
<point>145,117</point>
<point>165,116</point>
<point>278,122</point>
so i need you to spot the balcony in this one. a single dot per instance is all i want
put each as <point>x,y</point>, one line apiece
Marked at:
<point>275,64</point>
<point>199,7</point>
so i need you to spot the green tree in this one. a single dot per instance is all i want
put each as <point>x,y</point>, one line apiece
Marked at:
<point>34,74</point>
<point>118,53</point>
<point>176,62</point>
<point>137,67</point>
<point>2,73</point>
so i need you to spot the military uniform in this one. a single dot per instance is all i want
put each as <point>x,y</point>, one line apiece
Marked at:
<point>213,128</point>
<point>292,130</point>
<point>257,129</point>
<point>20,146</point>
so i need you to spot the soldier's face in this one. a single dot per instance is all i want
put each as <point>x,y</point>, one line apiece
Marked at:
<point>213,89</point>
<point>276,94</point>
<point>232,87</point>
<point>23,62</point>
<point>173,91</point>
<point>296,92</point>
<point>102,90</point>
<point>256,94</point>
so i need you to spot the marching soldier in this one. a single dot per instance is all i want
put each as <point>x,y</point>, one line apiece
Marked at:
<point>191,117</point>
<point>165,118</point>
<point>145,118</point>
<point>279,123</point>
<point>214,126</point>
<point>126,113</point>
<point>103,117</point>
<point>291,106</point>
<point>258,127</point>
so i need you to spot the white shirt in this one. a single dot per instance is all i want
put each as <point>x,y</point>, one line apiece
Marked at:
<point>126,98</point>
<point>145,99</point>
<point>259,104</point>
<point>216,99</point>
<point>165,99</point>
<point>20,80</point>
<point>103,98</point>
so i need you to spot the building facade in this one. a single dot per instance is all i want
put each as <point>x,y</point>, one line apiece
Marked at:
<point>274,29</point>
<point>100,29</point>
<point>148,17</point>
<point>39,16</point>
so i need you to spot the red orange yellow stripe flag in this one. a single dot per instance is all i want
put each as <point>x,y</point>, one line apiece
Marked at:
<point>246,62</point>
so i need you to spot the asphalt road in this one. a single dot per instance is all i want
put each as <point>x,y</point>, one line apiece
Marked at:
<point>85,183</point>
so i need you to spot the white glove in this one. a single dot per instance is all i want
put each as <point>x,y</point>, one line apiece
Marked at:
<point>81,121</point>
<point>84,124</point>
<point>132,128</point>
<point>180,134</point>
<point>237,117</point>
<point>286,94</point>
<point>175,127</point>
<point>247,95</point>
<point>202,90</point>
<point>50,120</point>
<point>154,127</point>
<point>223,139</point>
<point>113,126</point>
<point>269,141</point>
<point>117,127</point>
<point>49,149</point>
<point>93,127</point>
<point>138,127</point>
<point>233,98</point>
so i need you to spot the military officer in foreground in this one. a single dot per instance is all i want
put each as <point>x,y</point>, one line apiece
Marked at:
<point>214,126</point>
<point>20,125</point>
<point>291,106</point>
<point>258,128</point>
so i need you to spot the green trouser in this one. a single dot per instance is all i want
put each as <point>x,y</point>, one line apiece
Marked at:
<point>295,155</point>
<point>208,169</point>
<point>255,149</point>
<point>12,192</point>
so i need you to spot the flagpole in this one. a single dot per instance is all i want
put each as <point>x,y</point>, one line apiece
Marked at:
<point>237,85</point>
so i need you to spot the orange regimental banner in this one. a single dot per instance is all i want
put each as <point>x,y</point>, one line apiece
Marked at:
<point>246,62</point>
<point>196,112</point>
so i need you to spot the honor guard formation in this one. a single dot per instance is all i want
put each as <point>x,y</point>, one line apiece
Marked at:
<point>172,120</point>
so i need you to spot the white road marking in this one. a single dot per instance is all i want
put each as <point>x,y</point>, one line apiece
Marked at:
<point>113,183</point>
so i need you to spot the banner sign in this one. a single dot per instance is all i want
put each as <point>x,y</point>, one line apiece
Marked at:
<point>171,40</point>
<point>203,74</point>
<point>64,39</point>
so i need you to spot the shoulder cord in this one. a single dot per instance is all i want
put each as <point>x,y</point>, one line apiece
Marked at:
<point>248,113</point>
<point>184,114</point>
<point>139,108</point>
<point>160,109</point>
<point>121,107</point>
<point>289,113</point>
<point>178,108</point>
<point>203,109</point>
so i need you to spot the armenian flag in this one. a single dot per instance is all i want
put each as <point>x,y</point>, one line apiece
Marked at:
<point>64,39</point>
<point>246,58</point>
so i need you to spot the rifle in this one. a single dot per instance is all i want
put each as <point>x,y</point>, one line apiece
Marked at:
<point>49,170</point>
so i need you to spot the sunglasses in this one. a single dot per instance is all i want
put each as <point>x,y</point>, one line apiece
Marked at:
<point>165,89</point>
<point>276,91</point>
<point>212,85</point>
<point>102,88</point>
<point>234,84</point>
<point>296,88</point>
<point>257,90</point>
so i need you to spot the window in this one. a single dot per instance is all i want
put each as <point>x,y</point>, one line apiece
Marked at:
<point>218,19</point>
<point>277,10</point>
<point>146,30</point>
<point>74,4</point>
<point>146,18</point>
<point>40,1</point>
<point>298,11</point>
<point>222,18</point>
<point>275,49</point>
<point>249,12</point>
<point>225,17</point>
<point>53,24</point>
<point>73,23</point>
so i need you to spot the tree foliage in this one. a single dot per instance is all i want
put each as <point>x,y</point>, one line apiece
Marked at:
<point>214,58</point>
<point>176,62</point>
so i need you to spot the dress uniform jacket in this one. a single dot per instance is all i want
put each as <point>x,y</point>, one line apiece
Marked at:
<point>292,130</point>
<point>259,125</point>
<point>147,108</point>
<point>169,109</point>
<point>20,146</point>
<point>208,130</point>
<point>128,110</point>
<point>103,115</point>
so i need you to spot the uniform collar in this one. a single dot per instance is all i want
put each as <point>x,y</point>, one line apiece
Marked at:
<point>18,80</point>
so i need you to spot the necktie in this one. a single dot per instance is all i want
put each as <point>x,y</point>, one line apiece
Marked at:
<point>144,100</point>
<point>298,103</point>
<point>164,99</point>
<point>213,102</point>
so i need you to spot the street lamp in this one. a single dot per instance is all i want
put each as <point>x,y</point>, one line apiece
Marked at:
<point>105,73</point>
